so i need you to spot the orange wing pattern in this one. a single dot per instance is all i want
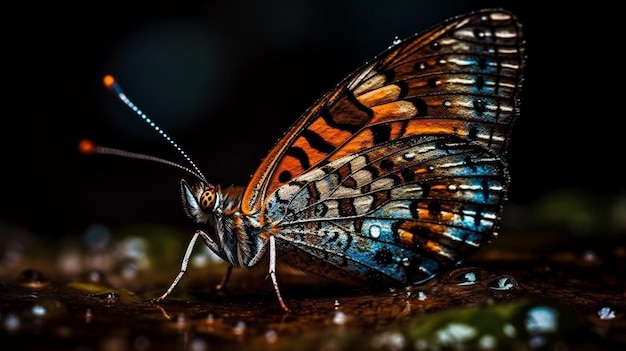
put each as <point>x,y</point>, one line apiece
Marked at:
<point>459,78</point>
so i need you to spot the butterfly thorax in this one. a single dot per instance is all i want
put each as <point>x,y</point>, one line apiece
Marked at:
<point>234,236</point>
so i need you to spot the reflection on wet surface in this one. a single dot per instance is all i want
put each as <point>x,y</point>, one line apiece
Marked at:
<point>569,295</point>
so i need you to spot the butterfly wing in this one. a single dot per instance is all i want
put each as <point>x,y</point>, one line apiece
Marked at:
<point>394,213</point>
<point>459,78</point>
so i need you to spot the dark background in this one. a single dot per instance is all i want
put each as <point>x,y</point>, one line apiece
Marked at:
<point>225,79</point>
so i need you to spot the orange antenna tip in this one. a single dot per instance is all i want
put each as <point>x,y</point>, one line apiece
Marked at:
<point>87,147</point>
<point>108,81</point>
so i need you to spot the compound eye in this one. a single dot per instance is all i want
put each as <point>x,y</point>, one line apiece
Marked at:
<point>207,200</point>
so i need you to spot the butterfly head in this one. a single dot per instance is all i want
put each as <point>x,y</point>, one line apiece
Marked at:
<point>200,200</point>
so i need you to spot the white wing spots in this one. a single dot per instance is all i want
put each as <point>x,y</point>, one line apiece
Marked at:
<point>395,209</point>
<point>362,177</point>
<point>500,16</point>
<point>343,192</point>
<point>464,81</point>
<point>381,184</point>
<point>505,34</point>
<point>287,191</point>
<point>327,184</point>
<point>363,204</point>
<point>411,191</point>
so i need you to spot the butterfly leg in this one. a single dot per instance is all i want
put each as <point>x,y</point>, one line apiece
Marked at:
<point>272,273</point>
<point>272,268</point>
<point>222,284</point>
<point>185,263</point>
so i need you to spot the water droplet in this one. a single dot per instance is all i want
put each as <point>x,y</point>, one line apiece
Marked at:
<point>606,313</point>
<point>509,330</point>
<point>108,297</point>
<point>88,315</point>
<point>409,155</point>
<point>447,104</point>
<point>430,168</point>
<point>465,278</point>
<point>421,296</point>
<point>97,237</point>
<point>339,318</point>
<point>32,279</point>
<point>453,187</point>
<point>271,336</point>
<point>239,328</point>
<point>38,310</point>
<point>541,320</point>
<point>487,342</point>
<point>12,322</point>
<point>455,333</point>
<point>198,344</point>
<point>391,340</point>
<point>505,282</point>
<point>590,256</point>
<point>396,41</point>
<point>375,231</point>
<point>479,33</point>
<point>95,276</point>
<point>435,45</point>
<point>406,261</point>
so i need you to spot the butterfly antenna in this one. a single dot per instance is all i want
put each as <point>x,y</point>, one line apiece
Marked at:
<point>88,147</point>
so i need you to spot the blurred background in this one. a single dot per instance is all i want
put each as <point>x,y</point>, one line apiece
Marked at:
<point>226,78</point>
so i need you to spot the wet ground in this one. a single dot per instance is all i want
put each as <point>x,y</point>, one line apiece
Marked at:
<point>525,292</point>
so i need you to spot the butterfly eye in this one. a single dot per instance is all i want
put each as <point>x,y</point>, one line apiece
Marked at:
<point>207,200</point>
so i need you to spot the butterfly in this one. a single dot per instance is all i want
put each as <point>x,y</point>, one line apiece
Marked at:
<point>396,174</point>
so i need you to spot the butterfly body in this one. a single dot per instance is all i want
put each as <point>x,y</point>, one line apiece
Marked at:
<point>393,176</point>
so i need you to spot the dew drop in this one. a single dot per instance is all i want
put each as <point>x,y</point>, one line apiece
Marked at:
<point>12,323</point>
<point>339,318</point>
<point>391,340</point>
<point>487,342</point>
<point>32,279</point>
<point>270,336</point>
<point>606,313</point>
<point>406,261</point>
<point>95,276</point>
<point>198,344</point>
<point>108,297</point>
<point>465,278</point>
<point>505,282</point>
<point>421,296</point>
<point>453,187</point>
<point>541,320</point>
<point>409,155</point>
<point>420,66</point>
<point>88,315</point>
<point>97,237</point>
<point>239,328</point>
<point>375,231</point>
<point>479,33</point>
<point>336,304</point>
<point>430,168</point>
<point>447,104</point>
<point>590,256</point>
<point>38,310</point>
